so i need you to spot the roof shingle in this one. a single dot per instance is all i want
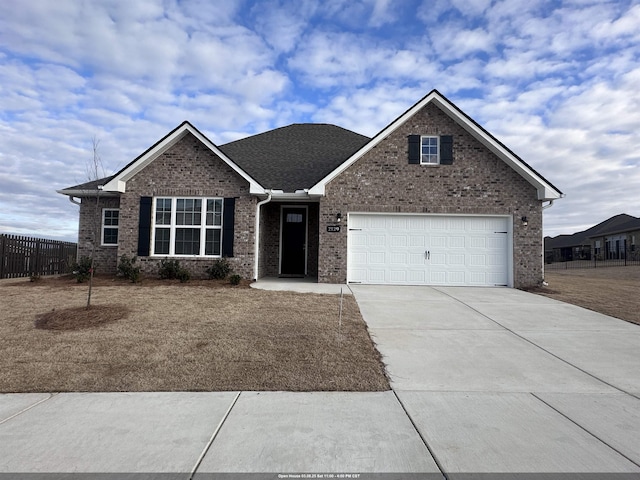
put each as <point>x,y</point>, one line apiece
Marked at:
<point>294,157</point>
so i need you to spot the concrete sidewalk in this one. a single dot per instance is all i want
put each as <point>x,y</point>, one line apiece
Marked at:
<point>492,381</point>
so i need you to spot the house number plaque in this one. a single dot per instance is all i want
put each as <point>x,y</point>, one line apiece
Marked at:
<point>333,228</point>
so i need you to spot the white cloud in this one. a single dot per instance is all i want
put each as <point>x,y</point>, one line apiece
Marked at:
<point>280,26</point>
<point>455,43</point>
<point>557,83</point>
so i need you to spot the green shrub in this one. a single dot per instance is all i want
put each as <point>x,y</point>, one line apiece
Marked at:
<point>219,270</point>
<point>235,279</point>
<point>82,269</point>
<point>128,270</point>
<point>170,269</point>
<point>183,275</point>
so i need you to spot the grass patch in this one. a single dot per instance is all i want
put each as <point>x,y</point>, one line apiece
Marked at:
<point>610,290</point>
<point>181,337</point>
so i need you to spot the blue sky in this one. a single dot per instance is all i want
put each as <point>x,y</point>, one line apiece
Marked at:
<point>557,82</point>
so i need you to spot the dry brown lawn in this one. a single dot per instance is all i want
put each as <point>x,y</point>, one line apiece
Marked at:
<point>199,336</point>
<point>613,291</point>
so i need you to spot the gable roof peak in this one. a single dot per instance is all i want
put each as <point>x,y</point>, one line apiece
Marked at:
<point>546,190</point>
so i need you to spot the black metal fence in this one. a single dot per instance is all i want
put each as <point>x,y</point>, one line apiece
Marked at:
<point>593,258</point>
<point>25,256</point>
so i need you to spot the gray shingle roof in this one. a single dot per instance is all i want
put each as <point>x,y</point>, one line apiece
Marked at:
<point>294,157</point>
<point>88,186</point>
<point>616,224</point>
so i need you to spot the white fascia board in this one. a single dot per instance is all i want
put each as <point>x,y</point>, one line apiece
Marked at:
<point>545,190</point>
<point>293,197</point>
<point>87,193</point>
<point>119,182</point>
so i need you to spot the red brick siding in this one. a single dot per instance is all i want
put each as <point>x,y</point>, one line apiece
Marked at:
<point>190,169</point>
<point>90,225</point>
<point>478,182</point>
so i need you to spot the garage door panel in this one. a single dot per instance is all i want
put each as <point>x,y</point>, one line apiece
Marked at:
<point>477,260</point>
<point>417,241</point>
<point>477,242</point>
<point>456,277</point>
<point>376,240</point>
<point>399,240</point>
<point>456,241</point>
<point>437,223</point>
<point>456,260</point>
<point>417,277</point>
<point>399,258</point>
<point>457,225</point>
<point>358,259</point>
<point>377,258</point>
<point>416,258</point>
<point>497,243</point>
<point>398,276</point>
<point>477,278</point>
<point>417,223</point>
<point>376,275</point>
<point>428,249</point>
<point>437,258</point>
<point>437,278</point>
<point>438,242</point>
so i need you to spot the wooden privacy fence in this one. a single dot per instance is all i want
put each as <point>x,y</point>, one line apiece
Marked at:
<point>24,256</point>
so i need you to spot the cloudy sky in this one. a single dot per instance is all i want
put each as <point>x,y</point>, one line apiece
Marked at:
<point>558,82</point>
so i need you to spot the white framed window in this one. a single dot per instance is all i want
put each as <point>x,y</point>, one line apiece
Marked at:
<point>110,222</point>
<point>187,227</point>
<point>429,150</point>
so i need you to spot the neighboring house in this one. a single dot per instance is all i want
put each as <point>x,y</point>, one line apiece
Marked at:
<point>618,241</point>
<point>614,238</point>
<point>432,199</point>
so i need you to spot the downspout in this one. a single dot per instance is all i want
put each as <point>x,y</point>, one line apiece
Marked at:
<point>256,255</point>
<point>544,284</point>
<point>73,201</point>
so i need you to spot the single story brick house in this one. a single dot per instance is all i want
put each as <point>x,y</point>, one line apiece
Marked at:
<point>433,199</point>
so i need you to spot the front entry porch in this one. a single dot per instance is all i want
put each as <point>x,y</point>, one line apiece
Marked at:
<point>289,240</point>
<point>301,285</point>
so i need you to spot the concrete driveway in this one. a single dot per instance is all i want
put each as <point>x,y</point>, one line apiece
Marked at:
<point>499,380</point>
<point>486,383</point>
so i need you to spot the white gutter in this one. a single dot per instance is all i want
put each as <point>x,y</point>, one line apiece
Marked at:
<point>256,255</point>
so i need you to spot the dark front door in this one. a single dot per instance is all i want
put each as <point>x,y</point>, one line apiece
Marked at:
<point>294,241</point>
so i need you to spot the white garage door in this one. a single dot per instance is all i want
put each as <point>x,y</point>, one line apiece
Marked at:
<point>428,249</point>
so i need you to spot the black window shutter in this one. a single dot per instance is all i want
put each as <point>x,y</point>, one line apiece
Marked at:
<point>228,218</point>
<point>446,150</point>
<point>144,227</point>
<point>414,149</point>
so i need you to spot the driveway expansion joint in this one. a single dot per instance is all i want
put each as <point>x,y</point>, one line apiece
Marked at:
<point>538,346</point>
<point>213,437</point>
<point>51,395</point>
<point>585,429</point>
<point>424,440</point>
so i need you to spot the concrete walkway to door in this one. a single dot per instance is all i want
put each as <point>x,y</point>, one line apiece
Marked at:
<point>500,380</point>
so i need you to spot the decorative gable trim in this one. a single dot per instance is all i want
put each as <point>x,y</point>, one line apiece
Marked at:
<point>546,191</point>
<point>119,181</point>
